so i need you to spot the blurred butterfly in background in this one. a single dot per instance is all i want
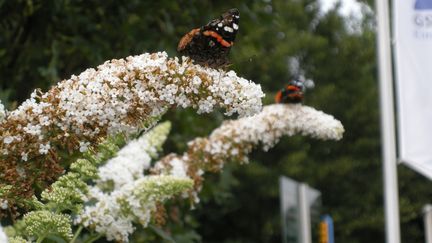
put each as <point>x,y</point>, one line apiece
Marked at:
<point>294,91</point>
<point>210,44</point>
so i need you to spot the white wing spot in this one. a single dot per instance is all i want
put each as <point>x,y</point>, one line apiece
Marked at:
<point>228,29</point>
<point>235,26</point>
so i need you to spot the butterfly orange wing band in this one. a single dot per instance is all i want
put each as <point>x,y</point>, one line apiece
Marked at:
<point>218,37</point>
<point>278,97</point>
<point>292,88</point>
<point>186,39</point>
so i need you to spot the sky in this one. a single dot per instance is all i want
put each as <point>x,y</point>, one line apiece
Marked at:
<point>349,7</point>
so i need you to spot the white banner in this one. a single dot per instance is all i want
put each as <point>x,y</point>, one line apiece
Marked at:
<point>412,22</point>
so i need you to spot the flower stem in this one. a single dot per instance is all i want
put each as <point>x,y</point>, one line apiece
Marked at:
<point>76,234</point>
<point>93,238</point>
<point>40,239</point>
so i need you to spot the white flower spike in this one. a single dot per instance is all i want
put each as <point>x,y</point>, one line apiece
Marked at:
<point>235,139</point>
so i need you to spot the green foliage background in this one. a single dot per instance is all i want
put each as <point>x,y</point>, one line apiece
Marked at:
<point>42,42</point>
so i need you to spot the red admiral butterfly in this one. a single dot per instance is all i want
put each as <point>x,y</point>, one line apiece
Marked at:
<point>293,93</point>
<point>210,44</point>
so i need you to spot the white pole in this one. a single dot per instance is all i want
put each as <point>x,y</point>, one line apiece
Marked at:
<point>305,223</point>
<point>427,219</point>
<point>282,195</point>
<point>391,199</point>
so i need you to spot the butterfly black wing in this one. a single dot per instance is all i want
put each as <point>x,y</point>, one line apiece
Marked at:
<point>210,44</point>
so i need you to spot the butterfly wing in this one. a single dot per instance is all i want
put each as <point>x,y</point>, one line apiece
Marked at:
<point>210,44</point>
<point>186,39</point>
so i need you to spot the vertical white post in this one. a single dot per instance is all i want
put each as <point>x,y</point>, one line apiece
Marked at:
<point>388,141</point>
<point>427,219</point>
<point>282,195</point>
<point>304,211</point>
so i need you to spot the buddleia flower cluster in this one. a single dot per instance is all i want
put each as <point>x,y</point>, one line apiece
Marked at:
<point>131,161</point>
<point>40,224</point>
<point>52,215</point>
<point>124,195</point>
<point>235,139</point>
<point>119,96</point>
<point>108,205</point>
<point>114,214</point>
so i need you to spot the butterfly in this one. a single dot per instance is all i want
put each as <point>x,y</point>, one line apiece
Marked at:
<point>210,44</point>
<point>293,92</point>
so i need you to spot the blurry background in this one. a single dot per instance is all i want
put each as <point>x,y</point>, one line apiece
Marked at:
<point>43,42</point>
